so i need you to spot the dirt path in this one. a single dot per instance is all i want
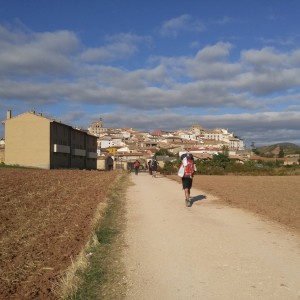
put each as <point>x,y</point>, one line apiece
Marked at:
<point>208,251</point>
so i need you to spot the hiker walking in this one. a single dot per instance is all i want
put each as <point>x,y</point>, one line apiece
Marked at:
<point>149,166</point>
<point>186,171</point>
<point>153,167</point>
<point>109,163</point>
<point>136,166</point>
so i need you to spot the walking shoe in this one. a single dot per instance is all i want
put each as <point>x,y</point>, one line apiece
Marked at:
<point>187,202</point>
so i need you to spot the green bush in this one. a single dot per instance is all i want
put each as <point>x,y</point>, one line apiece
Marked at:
<point>169,168</point>
<point>222,165</point>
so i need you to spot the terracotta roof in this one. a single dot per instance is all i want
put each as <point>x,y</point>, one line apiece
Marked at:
<point>156,132</point>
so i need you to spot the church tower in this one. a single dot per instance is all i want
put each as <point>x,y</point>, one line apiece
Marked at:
<point>96,127</point>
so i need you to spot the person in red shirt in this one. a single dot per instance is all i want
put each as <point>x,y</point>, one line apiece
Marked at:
<point>187,160</point>
<point>136,166</point>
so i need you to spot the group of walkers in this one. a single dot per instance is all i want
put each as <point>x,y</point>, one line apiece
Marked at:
<point>186,171</point>
<point>151,165</point>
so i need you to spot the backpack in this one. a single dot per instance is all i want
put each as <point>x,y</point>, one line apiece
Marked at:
<point>153,163</point>
<point>189,169</point>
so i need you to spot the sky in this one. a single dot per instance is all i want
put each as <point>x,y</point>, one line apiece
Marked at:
<point>155,64</point>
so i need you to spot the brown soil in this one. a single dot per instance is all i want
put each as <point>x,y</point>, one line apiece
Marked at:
<point>46,219</point>
<point>274,197</point>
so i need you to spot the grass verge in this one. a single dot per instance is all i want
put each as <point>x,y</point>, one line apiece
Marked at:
<point>104,275</point>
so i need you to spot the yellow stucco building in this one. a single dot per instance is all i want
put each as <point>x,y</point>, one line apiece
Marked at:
<point>35,141</point>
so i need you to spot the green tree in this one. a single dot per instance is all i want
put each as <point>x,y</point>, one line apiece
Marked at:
<point>170,168</point>
<point>225,151</point>
<point>281,152</point>
<point>164,152</point>
<point>221,159</point>
<point>255,151</point>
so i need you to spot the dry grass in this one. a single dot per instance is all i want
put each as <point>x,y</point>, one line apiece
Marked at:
<point>46,219</point>
<point>274,197</point>
<point>105,277</point>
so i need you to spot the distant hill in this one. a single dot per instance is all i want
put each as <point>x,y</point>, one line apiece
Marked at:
<point>288,148</point>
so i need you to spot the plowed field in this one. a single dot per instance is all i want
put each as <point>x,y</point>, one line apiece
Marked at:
<point>274,197</point>
<point>46,219</point>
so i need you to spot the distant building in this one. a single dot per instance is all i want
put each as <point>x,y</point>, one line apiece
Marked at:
<point>222,135</point>
<point>2,153</point>
<point>97,128</point>
<point>35,141</point>
<point>2,143</point>
<point>108,141</point>
<point>188,136</point>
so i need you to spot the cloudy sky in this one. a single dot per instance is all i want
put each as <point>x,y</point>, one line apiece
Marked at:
<point>155,64</point>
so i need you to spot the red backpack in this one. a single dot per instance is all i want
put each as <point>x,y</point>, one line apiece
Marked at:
<point>189,169</point>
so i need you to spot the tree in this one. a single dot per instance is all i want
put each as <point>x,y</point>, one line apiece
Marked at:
<point>281,152</point>
<point>164,152</point>
<point>225,151</point>
<point>169,168</point>
<point>221,159</point>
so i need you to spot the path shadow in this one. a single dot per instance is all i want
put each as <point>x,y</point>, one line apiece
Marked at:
<point>197,198</point>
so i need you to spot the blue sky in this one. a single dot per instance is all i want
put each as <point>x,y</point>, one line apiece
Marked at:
<point>156,64</point>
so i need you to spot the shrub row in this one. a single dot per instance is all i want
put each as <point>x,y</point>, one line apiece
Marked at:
<point>226,167</point>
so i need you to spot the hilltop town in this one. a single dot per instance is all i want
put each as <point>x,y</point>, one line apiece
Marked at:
<point>209,141</point>
<point>125,144</point>
<point>128,144</point>
<point>37,141</point>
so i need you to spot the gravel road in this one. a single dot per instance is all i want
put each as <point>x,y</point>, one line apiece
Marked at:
<point>207,251</point>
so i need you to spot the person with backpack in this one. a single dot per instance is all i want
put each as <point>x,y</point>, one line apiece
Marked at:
<point>188,165</point>
<point>149,166</point>
<point>136,166</point>
<point>153,167</point>
<point>109,163</point>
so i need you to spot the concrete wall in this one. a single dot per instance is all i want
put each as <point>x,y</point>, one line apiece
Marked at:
<point>101,164</point>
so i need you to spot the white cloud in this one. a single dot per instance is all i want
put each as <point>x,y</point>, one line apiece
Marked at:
<point>266,58</point>
<point>292,108</point>
<point>207,79</point>
<point>218,52</point>
<point>260,128</point>
<point>109,53</point>
<point>32,54</point>
<point>266,72</point>
<point>120,46</point>
<point>182,23</point>
<point>150,97</point>
<point>223,21</point>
